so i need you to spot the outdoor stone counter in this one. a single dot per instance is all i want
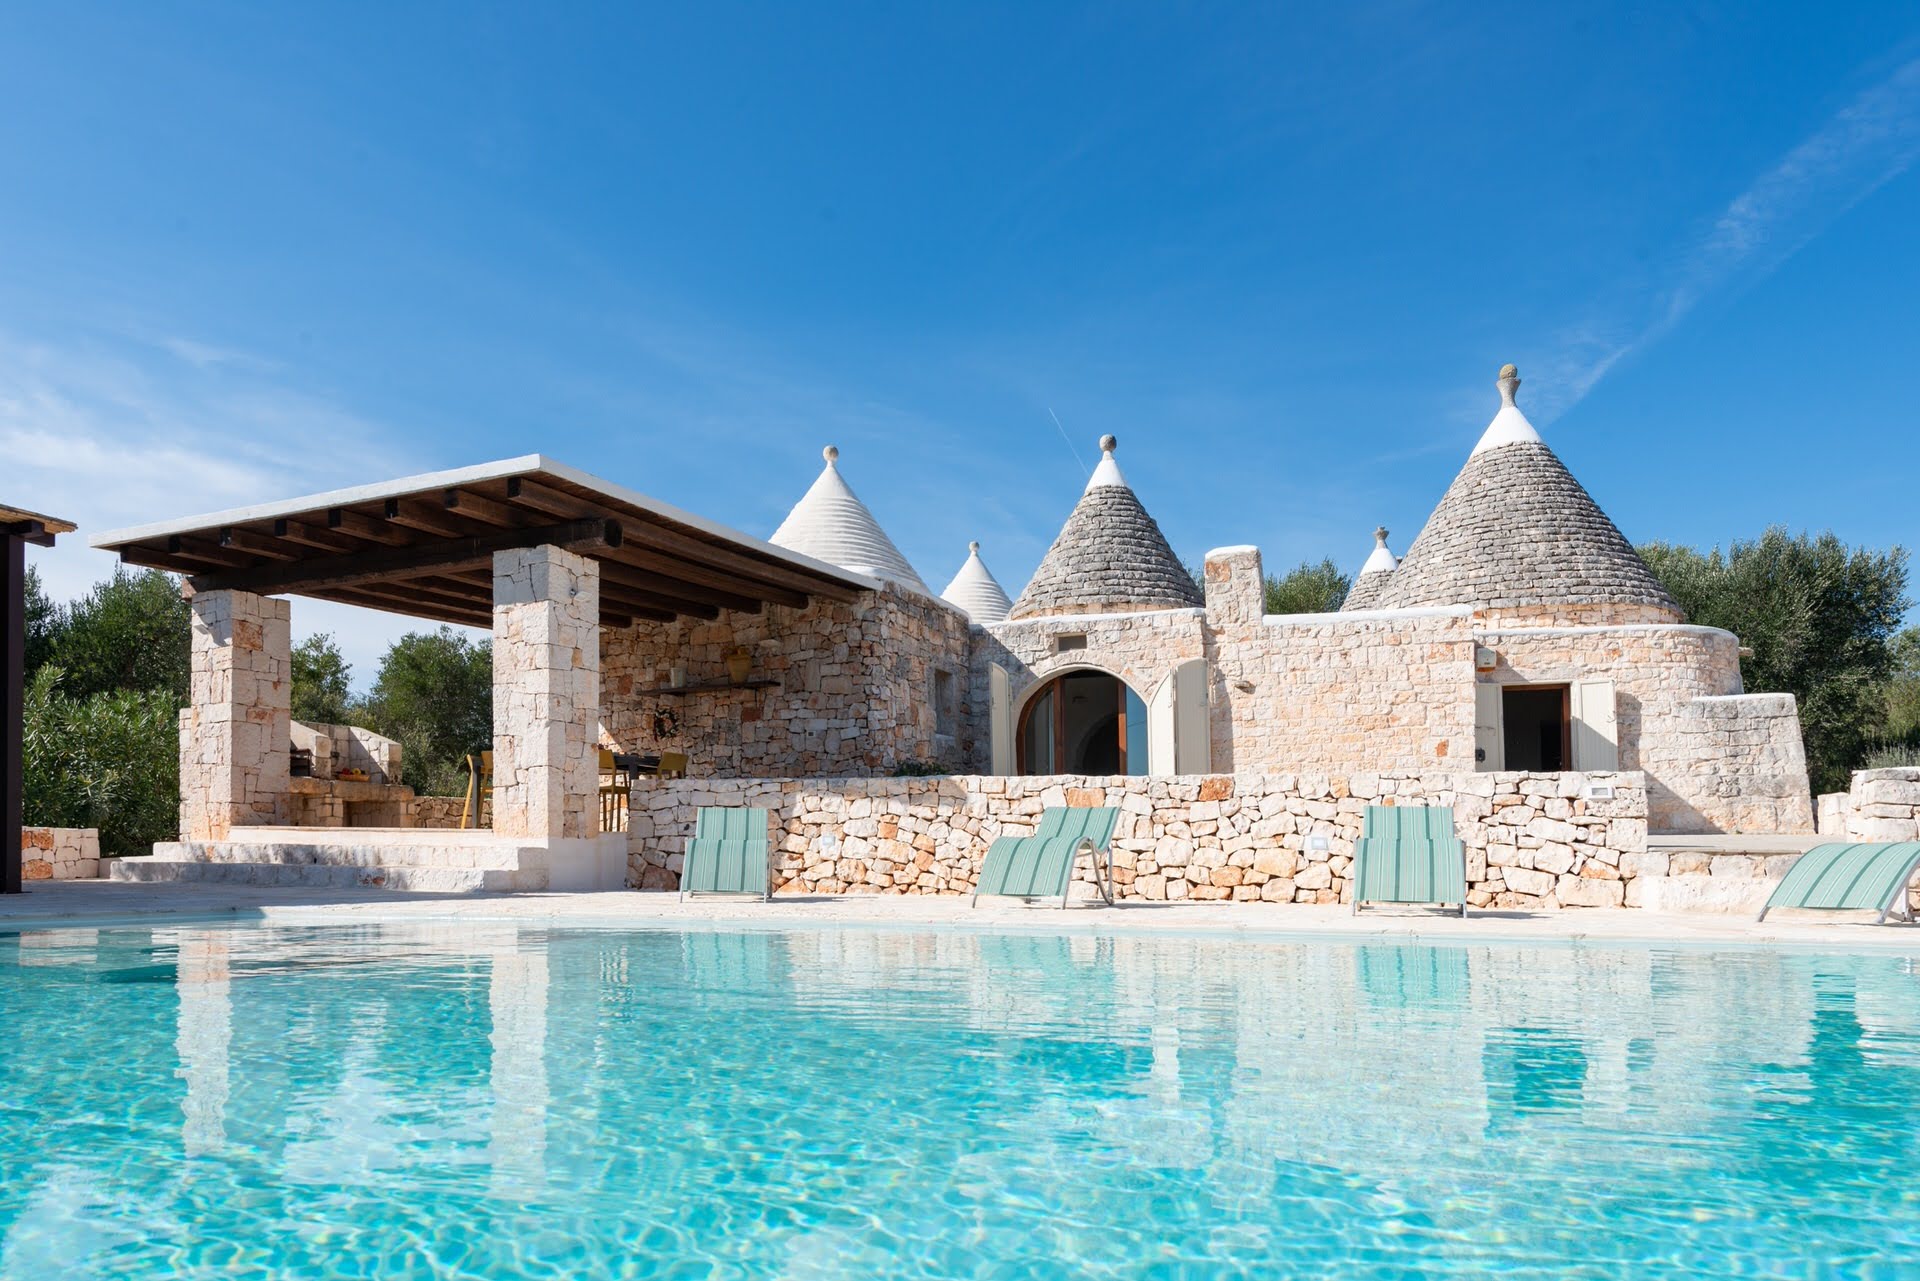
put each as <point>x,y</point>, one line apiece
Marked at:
<point>1532,840</point>
<point>59,853</point>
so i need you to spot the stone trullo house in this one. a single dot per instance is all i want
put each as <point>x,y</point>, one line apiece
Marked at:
<point>1520,638</point>
<point>1520,632</point>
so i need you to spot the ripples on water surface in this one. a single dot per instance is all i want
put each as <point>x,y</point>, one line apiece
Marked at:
<point>491,1100</point>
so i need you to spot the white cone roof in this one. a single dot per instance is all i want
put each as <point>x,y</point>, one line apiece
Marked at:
<point>1373,579</point>
<point>830,523</point>
<point>976,593</point>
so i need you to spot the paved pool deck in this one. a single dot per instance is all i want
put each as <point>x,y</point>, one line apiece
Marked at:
<point>50,904</point>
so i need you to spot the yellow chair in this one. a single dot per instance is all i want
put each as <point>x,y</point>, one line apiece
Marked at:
<point>616,793</point>
<point>479,806</point>
<point>673,765</point>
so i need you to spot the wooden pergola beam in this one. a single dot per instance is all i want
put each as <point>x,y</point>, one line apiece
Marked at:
<point>475,507</point>
<point>361,525</point>
<point>620,568</point>
<point>246,540</point>
<point>414,514</point>
<point>310,535</point>
<point>354,569</point>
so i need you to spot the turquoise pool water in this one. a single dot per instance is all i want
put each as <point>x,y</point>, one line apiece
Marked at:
<point>494,1101</point>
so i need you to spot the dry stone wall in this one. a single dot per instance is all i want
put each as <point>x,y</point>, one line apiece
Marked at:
<point>853,694</point>
<point>59,853</point>
<point>1879,805</point>
<point>1533,841</point>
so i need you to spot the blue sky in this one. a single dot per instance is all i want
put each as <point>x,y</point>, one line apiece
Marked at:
<point>252,251</point>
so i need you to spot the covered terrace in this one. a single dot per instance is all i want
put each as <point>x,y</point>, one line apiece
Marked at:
<point>539,553</point>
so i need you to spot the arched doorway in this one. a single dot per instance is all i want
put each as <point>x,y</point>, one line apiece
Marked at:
<point>1083,722</point>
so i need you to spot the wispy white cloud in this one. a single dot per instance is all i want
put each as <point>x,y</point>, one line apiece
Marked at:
<point>1865,145</point>
<point>120,430</point>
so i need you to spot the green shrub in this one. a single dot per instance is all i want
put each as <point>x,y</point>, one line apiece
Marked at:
<point>110,761</point>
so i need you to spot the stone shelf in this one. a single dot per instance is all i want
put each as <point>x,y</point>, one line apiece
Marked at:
<point>708,687</point>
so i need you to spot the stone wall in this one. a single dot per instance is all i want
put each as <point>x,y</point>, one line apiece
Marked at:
<point>438,811</point>
<point>236,727</point>
<point>1736,763</point>
<point>1716,760</point>
<point>1345,692</point>
<point>336,748</point>
<point>1142,649</point>
<point>1879,805</point>
<point>59,853</point>
<point>1531,840</point>
<point>853,690</point>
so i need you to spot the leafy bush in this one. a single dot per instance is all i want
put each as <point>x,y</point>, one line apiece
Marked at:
<point>322,686</point>
<point>1308,589</point>
<point>131,633</point>
<point>1820,618</point>
<point>434,694</point>
<point>109,761</point>
<point>1893,758</point>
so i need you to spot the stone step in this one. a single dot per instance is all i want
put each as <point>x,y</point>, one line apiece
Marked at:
<point>491,856</point>
<point>441,880</point>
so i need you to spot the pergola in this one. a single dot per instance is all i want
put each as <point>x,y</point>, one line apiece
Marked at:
<point>424,546</point>
<point>20,528</point>
<point>538,552</point>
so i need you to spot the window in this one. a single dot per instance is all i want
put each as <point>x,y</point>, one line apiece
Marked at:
<point>946,703</point>
<point>1084,723</point>
<point>1069,641</point>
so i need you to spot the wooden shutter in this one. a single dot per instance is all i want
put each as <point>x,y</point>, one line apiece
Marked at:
<point>1000,722</point>
<point>1596,736</point>
<point>1192,726</point>
<point>1160,735</point>
<point>1489,730</point>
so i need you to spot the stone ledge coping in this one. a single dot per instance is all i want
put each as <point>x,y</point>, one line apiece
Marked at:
<point>1715,843</point>
<point>348,789</point>
<point>77,903</point>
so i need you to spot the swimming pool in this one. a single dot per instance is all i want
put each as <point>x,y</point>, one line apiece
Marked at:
<point>480,1099</point>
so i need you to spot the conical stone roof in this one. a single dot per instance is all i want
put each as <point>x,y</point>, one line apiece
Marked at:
<point>1516,530</point>
<point>1110,556</point>
<point>830,523</point>
<point>975,592</point>
<point>1374,575</point>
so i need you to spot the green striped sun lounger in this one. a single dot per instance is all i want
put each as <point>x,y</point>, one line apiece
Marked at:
<point>1041,866</point>
<point>728,855</point>
<point>1409,854</point>
<point>1849,878</point>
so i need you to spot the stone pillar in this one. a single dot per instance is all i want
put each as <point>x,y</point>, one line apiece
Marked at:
<point>546,693</point>
<point>1236,588</point>
<point>234,731</point>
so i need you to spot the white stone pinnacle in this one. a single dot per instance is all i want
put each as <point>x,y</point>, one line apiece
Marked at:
<point>1509,425</point>
<point>1108,471</point>
<point>1382,560</point>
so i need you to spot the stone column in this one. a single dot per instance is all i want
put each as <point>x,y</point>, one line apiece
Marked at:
<point>1236,589</point>
<point>234,731</point>
<point>546,693</point>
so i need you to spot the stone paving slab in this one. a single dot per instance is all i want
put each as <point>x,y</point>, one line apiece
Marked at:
<point>92,902</point>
